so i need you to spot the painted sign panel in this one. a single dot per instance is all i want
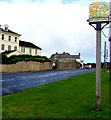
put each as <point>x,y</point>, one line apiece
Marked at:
<point>99,12</point>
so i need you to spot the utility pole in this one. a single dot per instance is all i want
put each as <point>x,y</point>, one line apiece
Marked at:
<point>110,41</point>
<point>105,55</point>
<point>110,60</point>
<point>107,58</point>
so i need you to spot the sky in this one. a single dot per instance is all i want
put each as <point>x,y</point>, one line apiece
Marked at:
<point>54,25</point>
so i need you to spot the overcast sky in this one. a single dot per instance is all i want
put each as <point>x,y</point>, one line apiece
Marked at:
<point>53,25</point>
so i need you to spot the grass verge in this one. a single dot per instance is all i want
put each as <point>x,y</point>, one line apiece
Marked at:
<point>70,98</point>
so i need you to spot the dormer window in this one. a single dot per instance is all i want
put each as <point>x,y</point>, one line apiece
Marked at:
<point>2,36</point>
<point>9,38</point>
<point>15,39</point>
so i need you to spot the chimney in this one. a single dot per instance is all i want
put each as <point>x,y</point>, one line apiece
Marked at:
<point>79,54</point>
<point>56,53</point>
<point>67,53</point>
<point>6,27</point>
<point>110,39</point>
<point>64,53</point>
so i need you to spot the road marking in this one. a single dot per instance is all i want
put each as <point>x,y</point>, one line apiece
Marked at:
<point>1,80</point>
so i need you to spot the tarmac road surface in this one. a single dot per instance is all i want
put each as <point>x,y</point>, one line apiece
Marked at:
<point>12,83</point>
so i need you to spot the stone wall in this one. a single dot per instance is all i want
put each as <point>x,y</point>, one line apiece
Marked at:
<point>68,65</point>
<point>37,66</point>
<point>25,67</point>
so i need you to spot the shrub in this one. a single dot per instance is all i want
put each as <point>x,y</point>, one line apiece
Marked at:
<point>3,59</point>
<point>16,58</point>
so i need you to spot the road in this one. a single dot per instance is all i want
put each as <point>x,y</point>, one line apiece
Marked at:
<point>11,83</point>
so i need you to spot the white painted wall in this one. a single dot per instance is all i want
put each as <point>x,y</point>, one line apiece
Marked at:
<point>27,51</point>
<point>14,53</point>
<point>6,41</point>
<point>14,44</point>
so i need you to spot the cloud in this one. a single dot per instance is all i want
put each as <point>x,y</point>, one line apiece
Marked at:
<point>52,25</point>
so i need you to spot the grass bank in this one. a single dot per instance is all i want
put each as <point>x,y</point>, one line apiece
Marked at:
<point>70,98</point>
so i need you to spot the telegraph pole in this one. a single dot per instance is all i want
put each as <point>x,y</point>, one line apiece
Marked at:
<point>105,55</point>
<point>110,41</point>
<point>110,61</point>
<point>110,58</point>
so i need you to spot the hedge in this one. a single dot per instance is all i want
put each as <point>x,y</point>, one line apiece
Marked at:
<point>16,58</point>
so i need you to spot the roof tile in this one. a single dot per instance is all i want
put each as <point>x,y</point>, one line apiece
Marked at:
<point>28,44</point>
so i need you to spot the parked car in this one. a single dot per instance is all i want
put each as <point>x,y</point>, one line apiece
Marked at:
<point>87,66</point>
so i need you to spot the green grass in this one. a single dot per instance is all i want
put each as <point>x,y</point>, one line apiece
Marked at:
<point>70,98</point>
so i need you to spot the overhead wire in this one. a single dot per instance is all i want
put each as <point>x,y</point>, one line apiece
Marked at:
<point>105,41</point>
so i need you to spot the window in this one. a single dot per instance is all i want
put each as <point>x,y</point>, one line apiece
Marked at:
<point>30,51</point>
<point>2,46</point>
<point>2,37</point>
<point>9,47</point>
<point>15,48</point>
<point>15,39</point>
<point>35,52</point>
<point>9,38</point>
<point>23,49</point>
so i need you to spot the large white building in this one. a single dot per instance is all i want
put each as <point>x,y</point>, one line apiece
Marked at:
<point>11,44</point>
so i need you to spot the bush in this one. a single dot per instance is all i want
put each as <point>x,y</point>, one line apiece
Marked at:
<point>16,58</point>
<point>3,59</point>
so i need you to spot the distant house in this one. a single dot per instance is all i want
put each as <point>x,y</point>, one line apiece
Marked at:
<point>65,57</point>
<point>66,60</point>
<point>10,43</point>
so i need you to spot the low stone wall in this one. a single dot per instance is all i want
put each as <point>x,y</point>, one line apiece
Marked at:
<point>25,67</point>
<point>68,65</point>
<point>37,66</point>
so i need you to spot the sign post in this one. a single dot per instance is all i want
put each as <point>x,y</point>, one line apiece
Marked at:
<point>98,65</point>
<point>99,14</point>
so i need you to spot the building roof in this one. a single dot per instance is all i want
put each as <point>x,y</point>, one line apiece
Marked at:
<point>9,31</point>
<point>28,44</point>
<point>65,55</point>
<point>8,52</point>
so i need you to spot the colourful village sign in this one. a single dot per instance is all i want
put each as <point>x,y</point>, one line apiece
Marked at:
<point>99,12</point>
